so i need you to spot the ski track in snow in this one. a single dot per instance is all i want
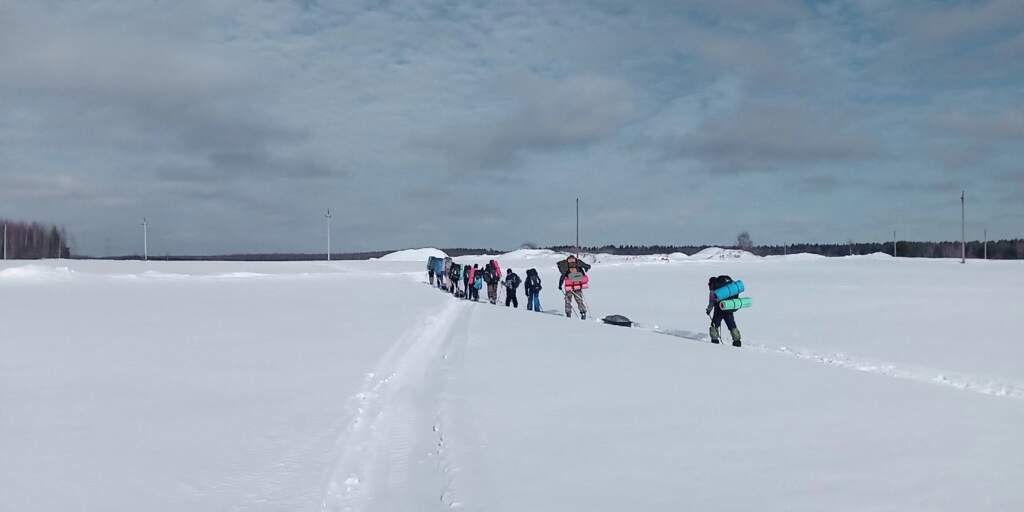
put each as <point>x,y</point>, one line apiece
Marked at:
<point>955,380</point>
<point>395,444</point>
<point>935,377</point>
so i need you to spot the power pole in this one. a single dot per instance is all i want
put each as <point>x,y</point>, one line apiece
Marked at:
<point>145,240</point>
<point>963,226</point>
<point>328,217</point>
<point>577,227</point>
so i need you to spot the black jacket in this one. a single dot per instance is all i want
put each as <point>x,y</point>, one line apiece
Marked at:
<point>532,282</point>
<point>512,281</point>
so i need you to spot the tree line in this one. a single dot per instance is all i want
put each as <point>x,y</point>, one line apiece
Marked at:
<point>997,249</point>
<point>34,240</point>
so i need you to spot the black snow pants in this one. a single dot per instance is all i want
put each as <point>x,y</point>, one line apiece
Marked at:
<point>720,315</point>
<point>510,297</point>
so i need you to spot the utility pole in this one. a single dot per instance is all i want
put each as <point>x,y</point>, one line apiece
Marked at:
<point>577,227</point>
<point>963,226</point>
<point>894,243</point>
<point>328,217</point>
<point>145,239</point>
<point>986,244</point>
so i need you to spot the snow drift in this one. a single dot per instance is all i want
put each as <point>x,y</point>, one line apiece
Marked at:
<point>414,255</point>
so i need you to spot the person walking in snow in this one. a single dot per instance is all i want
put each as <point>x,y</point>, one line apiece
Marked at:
<point>474,278</point>
<point>574,280</point>
<point>466,283</point>
<point>453,278</point>
<point>492,280</point>
<point>512,282</point>
<point>532,288</point>
<point>715,283</point>
<point>430,270</point>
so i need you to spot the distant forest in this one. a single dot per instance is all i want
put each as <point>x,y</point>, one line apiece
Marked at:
<point>997,250</point>
<point>32,240</point>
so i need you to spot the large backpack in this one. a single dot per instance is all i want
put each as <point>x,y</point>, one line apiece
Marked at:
<point>532,280</point>
<point>496,268</point>
<point>719,282</point>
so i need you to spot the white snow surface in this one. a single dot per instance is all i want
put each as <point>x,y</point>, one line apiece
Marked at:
<point>414,255</point>
<point>864,384</point>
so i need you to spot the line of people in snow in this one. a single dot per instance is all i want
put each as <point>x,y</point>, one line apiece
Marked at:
<point>465,281</point>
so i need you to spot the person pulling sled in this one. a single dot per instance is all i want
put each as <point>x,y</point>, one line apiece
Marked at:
<point>574,280</point>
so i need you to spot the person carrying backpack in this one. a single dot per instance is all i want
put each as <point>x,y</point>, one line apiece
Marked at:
<point>574,280</point>
<point>465,280</point>
<point>492,278</point>
<point>474,280</point>
<point>532,288</point>
<point>430,269</point>
<point>512,282</point>
<point>715,283</point>
<point>454,276</point>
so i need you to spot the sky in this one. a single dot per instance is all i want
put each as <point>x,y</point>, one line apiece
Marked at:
<point>231,126</point>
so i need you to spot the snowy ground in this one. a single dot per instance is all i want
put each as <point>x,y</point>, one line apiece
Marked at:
<point>866,384</point>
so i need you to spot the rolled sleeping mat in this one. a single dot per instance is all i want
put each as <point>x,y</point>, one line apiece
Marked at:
<point>734,304</point>
<point>730,290</point>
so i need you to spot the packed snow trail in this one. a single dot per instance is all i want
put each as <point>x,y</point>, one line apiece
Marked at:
<point>943,378</point>
<point>396,426</point>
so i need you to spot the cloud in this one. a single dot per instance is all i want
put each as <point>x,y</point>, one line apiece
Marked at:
<point>771,137</point>
<point>547,115</point>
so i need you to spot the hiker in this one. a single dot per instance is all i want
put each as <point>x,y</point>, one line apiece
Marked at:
<point>439,272</point>
<point>430,269</point>
<point>492,276</point>
<point>512,282</point>
<point>715,283</point>
<point>574,280</point>
<point>447,265</point>
<point>453,278</point>
<point>532,288</point>
<point>465,280</point>
<point>475,279</point>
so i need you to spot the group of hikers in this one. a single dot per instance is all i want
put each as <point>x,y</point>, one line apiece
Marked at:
<point>465,281</point>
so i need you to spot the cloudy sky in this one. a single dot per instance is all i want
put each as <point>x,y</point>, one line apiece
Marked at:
<point>232,125</point>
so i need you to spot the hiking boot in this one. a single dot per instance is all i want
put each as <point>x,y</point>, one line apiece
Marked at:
<point>568,315</point>
<point>583,316</point>
<point>715,341</point>
<point>735,333</point>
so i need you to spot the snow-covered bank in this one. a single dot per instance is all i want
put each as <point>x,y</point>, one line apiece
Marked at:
<point>414,255</point>
<point>864,385</point>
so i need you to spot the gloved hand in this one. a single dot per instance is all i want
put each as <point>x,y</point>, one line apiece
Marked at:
<point>708,311</point>
<point>559,287</point>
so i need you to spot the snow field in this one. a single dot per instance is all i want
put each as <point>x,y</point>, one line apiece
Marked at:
<point>863,385</point>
